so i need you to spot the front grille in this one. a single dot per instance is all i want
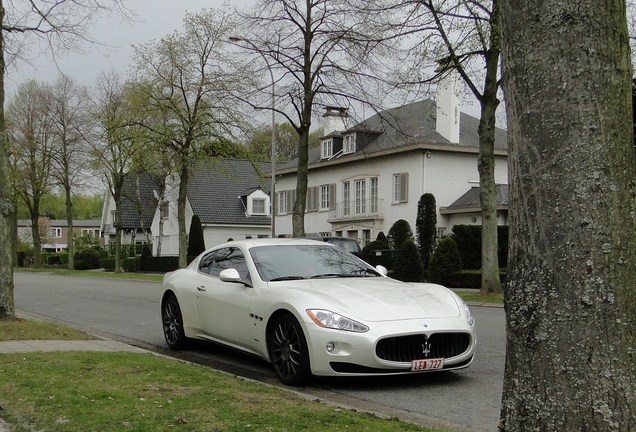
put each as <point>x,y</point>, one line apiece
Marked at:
<point>413,347</point>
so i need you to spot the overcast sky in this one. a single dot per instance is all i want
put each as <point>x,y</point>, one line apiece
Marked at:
<point>155,19</point>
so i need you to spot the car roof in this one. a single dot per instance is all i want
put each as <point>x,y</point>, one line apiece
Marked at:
<point>248,243</point>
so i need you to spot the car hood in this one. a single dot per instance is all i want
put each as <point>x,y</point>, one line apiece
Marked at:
<point>378,299</point>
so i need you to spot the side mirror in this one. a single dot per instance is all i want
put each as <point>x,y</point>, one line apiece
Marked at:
<point>230,275</point>
<point>382,270</point>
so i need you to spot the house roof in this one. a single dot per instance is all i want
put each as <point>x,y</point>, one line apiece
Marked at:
<point>139,201</point>
<point>408,125</point>
<point>60,223</point>
<point>214,191</point>
<point>469,202</point>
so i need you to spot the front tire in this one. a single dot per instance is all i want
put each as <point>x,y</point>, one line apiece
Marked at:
<point>173,324</point>
<point>288,351</point>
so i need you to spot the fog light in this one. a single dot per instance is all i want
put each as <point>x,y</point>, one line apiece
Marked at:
<point>330,347</point>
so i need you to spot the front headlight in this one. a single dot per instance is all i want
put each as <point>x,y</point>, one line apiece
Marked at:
<point>470,318</point>
<point>332,320</point>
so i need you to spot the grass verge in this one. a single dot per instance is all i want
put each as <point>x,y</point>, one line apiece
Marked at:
<point>481,298</point>
<point>21,329</point>
<point>86,391</point>
<point>90,273</point>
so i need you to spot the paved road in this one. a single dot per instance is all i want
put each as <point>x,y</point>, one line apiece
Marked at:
<point>129,311</point>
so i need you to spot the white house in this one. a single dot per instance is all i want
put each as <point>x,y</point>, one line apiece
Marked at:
<point>226,194</point>
<point>365,177</point>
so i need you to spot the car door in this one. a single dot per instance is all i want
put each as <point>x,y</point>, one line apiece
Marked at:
<point>223,307</point>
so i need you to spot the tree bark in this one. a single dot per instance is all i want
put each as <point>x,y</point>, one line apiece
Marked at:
<point>570,298</point>
<point>181,214</point>
<point>7,307</point>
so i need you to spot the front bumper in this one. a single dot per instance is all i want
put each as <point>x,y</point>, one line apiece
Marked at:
<point>355,354</point>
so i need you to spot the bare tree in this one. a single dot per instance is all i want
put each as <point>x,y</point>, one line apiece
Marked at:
<point>114,144</point>
<point>286,142</point>
<point>570,304</point>
<point>61,24</point>
<point>317,51</point>
<point>67,116</point>
<point>447,37</point>
<point>185,79</point>
<point>31,147</point>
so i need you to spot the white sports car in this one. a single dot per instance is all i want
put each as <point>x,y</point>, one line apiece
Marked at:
<point>311,308</point>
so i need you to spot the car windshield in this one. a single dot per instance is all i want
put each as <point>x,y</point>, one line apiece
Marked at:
<point>289,262</point>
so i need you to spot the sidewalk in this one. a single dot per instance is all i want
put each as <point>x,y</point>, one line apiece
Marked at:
<point>24,346</point>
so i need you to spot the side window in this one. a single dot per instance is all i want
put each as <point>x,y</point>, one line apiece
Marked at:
<point>217,261</point>
<point>206,262</point>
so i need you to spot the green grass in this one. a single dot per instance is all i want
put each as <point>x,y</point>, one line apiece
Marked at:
<point>20,329</point>
<point>481,298</point>
<point>87,391</point>
<point>89,273</point>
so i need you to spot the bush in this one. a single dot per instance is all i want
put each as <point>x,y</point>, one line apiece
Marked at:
<point>161,264</point>
<point>87,259</point>
<point>444,262</point>
<point>130,264</point>
<point>407,265</point>
<point>378,253</point>
<point>399,233</point>
<point>196,242</point>
<point>470,279</point>
<point>468,239</point>
<point>109,264</point>
<point>426,226</point>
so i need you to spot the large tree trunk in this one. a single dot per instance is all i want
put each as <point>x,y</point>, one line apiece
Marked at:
<point>35,234</point>
<point>570,298</point>
<point>181,214</point>
<point>298,217</point>
<point>490,281</point>
<point>7,306</point>
<point>69,220</point>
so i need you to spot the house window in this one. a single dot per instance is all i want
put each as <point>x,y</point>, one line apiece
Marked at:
<point>164,210</point>
<point>312,199</point>
<point>286,201</point>
<point>373,199</point>
<point>327,196</point>
<point>282,202</point>
<point>346,196</point>
<point>90,231</point>
<point>360,195</point>
<point>400,187</point>
<point>349,143</point>
<point>55,232</point>
<point>258,206</point>
<point>327,148</point>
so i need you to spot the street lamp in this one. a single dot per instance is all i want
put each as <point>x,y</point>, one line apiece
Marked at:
<point>236,39</point>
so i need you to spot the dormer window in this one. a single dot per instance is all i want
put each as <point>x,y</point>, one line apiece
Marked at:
<point>349,143</point>
<point>258,206</point>
<point>327,148</point>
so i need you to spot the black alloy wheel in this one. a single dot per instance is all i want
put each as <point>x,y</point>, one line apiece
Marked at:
<point>173,324</point>
<point>288,351</point>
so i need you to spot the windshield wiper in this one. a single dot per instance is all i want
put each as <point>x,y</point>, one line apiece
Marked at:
<point>328,275</point>
<point>363,273</point>
<point>285,278</point>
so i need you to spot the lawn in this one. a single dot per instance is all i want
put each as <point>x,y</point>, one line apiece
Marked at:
<point>75,392</point>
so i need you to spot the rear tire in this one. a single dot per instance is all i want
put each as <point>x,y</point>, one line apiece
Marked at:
<point>173,324</point>
<point>288,351</point>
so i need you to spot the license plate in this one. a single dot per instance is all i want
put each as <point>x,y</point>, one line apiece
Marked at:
<point>427,364</point>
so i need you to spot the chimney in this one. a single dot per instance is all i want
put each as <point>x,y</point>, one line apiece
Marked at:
<point>447,100</point>
<point>334,120</point>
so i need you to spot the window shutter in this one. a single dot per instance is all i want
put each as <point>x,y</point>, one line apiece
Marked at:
<point>291,200</point>
<point>404,187</point>
<point>332,196</point>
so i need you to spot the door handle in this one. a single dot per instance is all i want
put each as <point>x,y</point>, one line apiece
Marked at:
<point>200,288</point>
